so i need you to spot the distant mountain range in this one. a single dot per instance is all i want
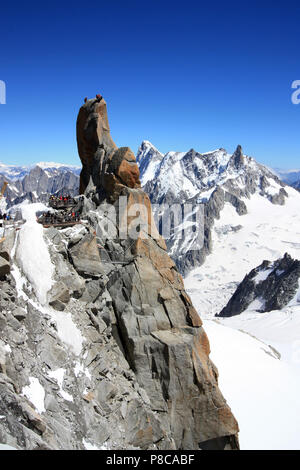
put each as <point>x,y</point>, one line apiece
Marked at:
<point>36,182</point>
<point>15,172</point>
<point>291,177</point>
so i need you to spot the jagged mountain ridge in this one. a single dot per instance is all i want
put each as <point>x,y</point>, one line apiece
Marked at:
<point>15,172</point>
<point>210,179</point>
<point>36,182</point>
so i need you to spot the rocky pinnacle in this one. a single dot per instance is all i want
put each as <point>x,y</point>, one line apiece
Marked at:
<point>155,324</point>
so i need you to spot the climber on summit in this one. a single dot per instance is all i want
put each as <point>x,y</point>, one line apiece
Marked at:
<point>99,97</point>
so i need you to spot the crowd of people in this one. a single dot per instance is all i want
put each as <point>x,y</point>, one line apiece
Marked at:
<point>64,215</point>
<point>55,201</point>
<point>4,216</point>
<point>59,218</point>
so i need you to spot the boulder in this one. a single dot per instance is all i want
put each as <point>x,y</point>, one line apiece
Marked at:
<point>4,267</point>
<point>279,198</point>
<point>86,258</point>
<point>19,313</point>
<point>123,165</point>
<point>4,254</point>
<point>59,296</point>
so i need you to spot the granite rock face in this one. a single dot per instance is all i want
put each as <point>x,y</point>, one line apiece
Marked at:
<point>94,142</point>
<point>270,286</point>
<point>160,331</point>
<point>116,357</point>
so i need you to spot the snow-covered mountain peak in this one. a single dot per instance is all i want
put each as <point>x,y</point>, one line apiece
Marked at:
<point>212,178</point>
<point>17,172</point>
<point>188,171</point>
<point>146,145</point>
<point>187,174</point>
<point>148,159</point>
<point>13,172</point>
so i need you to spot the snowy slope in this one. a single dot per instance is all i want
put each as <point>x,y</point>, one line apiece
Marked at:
<point>278,328</point>
<point>32,253</point>
<point>6,447</point>
<point>32,262</point>
<point>267,231</point>
<point>262,390</point>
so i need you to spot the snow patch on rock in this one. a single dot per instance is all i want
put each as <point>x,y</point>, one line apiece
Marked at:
<point>32,253</point>
<point>35,393</point>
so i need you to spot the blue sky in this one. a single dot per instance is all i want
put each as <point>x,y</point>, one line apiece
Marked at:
<point>180,74</point>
